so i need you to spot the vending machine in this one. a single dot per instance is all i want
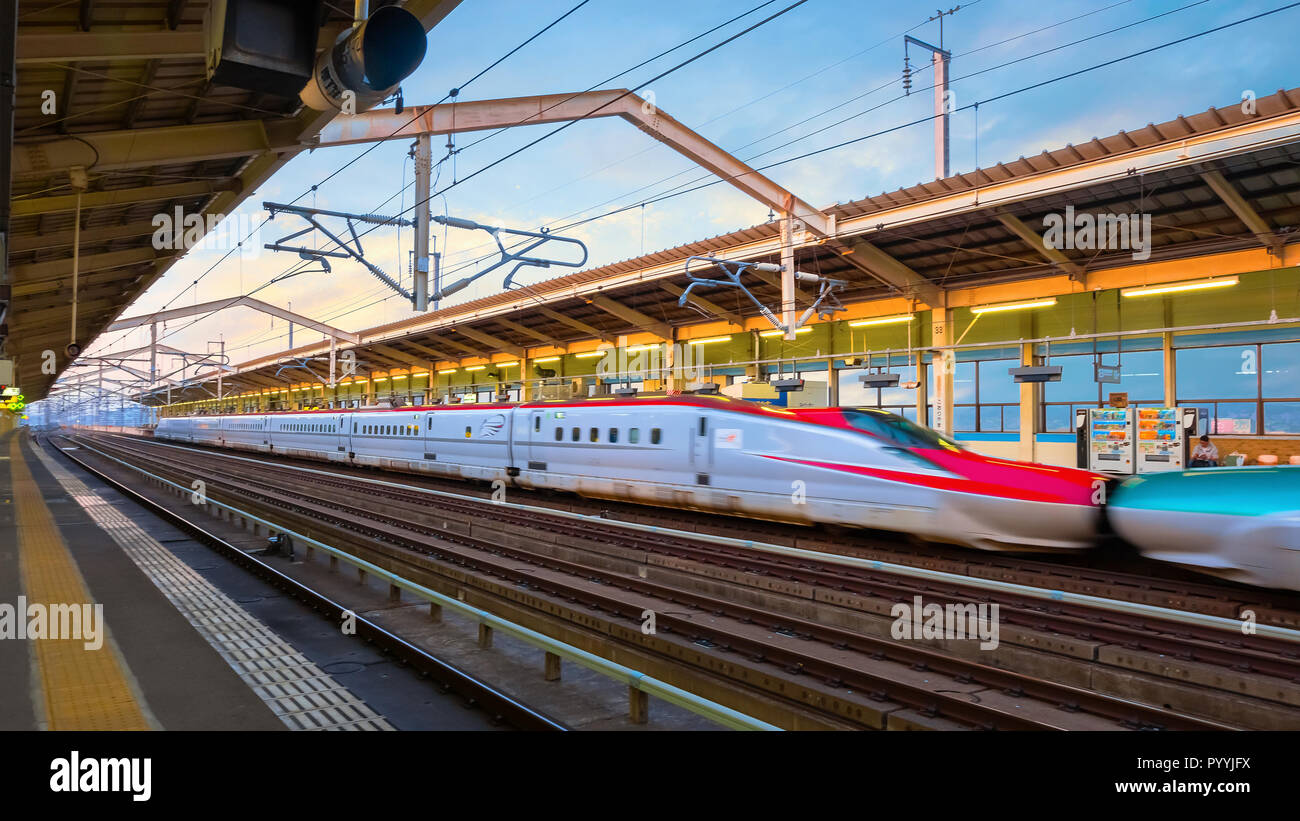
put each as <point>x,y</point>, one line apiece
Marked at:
<point>1106,439</point>
<point>1164,438</point>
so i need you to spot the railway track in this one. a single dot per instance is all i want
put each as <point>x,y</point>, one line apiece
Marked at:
<point>1257,654</point>
<point>839,659</point>
<point>477,693</point>
<point>1115,574</point>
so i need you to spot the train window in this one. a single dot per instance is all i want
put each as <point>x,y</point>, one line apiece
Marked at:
<point>537,423</point>
<point>467,431</point>
<point>613,435</point>
<point>704,425</point>
<point>354,427</point>
<point>559,434</point>
<point>633,435</point>
<point>655,436</point>
<point>577,434</point>
<point>594,435</point>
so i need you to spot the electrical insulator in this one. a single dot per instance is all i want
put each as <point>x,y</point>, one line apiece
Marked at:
<point>907,77</point>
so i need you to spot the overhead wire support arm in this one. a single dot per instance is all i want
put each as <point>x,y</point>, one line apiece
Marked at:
<point>825,305</point>
<point>520,257</point>
<point>345,249</point>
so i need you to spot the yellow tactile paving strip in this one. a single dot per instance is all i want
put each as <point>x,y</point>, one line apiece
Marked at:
<point>82,689</point>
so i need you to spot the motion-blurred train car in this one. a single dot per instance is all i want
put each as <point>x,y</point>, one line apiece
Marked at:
<point>1241,524</point>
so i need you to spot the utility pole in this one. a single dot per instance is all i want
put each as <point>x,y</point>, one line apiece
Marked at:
<point>939,59</point>
<point>422,153</point>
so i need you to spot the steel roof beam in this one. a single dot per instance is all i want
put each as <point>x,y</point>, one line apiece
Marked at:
<point>491,341</point>
<point>520,328</point>
<point>234,302</point>
<point>1035,241</point>
<point>478,115</point>
<point>395,355</point>
<point>120,196</point>
<point>632,316</point>
<point>708,305</point>
<point>147,147</point>
<point>118,45</point>
<point>1231,197</point>
<point>89,236</point>
<point>427,351</point>
<point>89,263</point>
<point>868,258</point>
<point>576,324</point>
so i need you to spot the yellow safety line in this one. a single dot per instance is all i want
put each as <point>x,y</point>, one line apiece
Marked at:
<point>83,689</point>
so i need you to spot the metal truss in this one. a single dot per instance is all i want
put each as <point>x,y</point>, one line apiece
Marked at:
<point>825,305</point>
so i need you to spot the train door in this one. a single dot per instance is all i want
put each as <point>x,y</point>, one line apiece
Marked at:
<point>536,441</point>
<point>701,452</point>
<point>341,435</point>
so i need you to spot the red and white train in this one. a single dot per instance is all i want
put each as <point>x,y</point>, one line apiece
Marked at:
<point>862,468</point>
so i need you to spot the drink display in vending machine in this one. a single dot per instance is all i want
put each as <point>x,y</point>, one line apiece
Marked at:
<point>1159,440</point>
<point>1110,440</point>
<point>1164,436</point>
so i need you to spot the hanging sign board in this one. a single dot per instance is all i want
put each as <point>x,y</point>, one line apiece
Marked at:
<point>1118,400</point>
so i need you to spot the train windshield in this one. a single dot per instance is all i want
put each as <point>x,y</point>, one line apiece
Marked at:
<point>896,429</point>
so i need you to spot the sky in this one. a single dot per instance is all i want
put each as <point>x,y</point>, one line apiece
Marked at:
<point>820,74</point>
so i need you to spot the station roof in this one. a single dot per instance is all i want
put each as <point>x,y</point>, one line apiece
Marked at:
<point>1225,179</point>
<point>121,90</point>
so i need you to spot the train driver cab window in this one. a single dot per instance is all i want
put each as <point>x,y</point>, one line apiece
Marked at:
<point>896,430</point>
<point>613,435</point>
<point>633,435</point>
<point>656,435</point>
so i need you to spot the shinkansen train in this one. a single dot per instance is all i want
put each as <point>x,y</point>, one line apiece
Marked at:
<point>857,467</point>
<point>1238,523</point>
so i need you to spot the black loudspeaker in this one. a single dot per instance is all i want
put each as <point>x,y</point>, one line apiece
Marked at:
<point>365,64</point>
<point>263,45</point>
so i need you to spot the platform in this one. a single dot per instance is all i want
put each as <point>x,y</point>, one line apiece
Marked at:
<point>160,632</point>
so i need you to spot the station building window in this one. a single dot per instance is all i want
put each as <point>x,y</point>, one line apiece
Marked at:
<point>1248,389</point>
<point>899,400</point>
<point>985,397</point>
<point>1141,377</point>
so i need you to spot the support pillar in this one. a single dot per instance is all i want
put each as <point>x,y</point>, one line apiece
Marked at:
<point>1030,395</point>
<point>638,706</point>
<point>423,171</point>
<point>945,366</point>
<point>788,314</point>
<point>1171,371</point>
<point>552,667</point>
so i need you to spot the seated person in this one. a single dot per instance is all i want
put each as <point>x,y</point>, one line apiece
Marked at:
<point>1205,454</point>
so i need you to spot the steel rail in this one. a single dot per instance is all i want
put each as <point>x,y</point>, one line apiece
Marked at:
<point>1233,626</point>
<point>719,713</point>
<point>1072,699</point>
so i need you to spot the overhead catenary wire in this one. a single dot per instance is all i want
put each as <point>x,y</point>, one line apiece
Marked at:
<point>370,148</point>
<point>457,182</point>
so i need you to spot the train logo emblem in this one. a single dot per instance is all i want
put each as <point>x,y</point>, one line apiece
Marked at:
<point>492,426</point>
<point>728,438</point>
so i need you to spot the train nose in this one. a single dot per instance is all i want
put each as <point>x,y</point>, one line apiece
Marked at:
<point>1025,481</point>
